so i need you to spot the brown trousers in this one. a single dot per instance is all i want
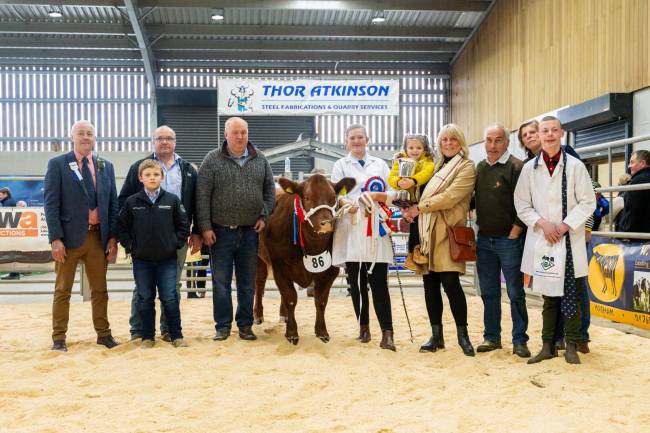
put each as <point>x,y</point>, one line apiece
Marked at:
<point>92,254</point>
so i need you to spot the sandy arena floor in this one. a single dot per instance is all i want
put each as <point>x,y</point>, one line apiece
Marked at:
<point>342,386</point>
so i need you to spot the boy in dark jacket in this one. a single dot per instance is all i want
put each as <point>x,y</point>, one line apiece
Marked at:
<point>152,226</point>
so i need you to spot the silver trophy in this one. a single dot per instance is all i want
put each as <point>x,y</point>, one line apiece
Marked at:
<point>406,168</point>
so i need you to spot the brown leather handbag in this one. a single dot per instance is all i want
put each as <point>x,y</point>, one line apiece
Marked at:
<point>462,243</point>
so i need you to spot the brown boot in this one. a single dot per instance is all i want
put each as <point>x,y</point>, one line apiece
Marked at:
<point>571,354</point>
<point>387,340</point>
<point>548,351</point>
<point>583,347</point>
<point>364,333</point>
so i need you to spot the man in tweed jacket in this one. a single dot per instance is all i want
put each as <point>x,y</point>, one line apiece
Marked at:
<point>235,195</point>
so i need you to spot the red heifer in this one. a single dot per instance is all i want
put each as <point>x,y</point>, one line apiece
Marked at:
<point>300,255</point>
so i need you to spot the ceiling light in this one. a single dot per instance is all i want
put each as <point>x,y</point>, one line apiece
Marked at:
<point>217,15</point>
<point>54,12</point>
<point>378,17</point>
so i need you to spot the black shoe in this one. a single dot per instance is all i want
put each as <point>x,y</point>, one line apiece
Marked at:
<point>108,341</point>
<point>583,347</point>
<point>549,351</point>
<point>571,354</point>
<point>136,336</point>
<point>222,334</point>
<point>463,341</point>
<point>246,333</point>
<point>436,341</point>
<point>488,346</point>
<point>59,345</point>
<point>521,350</point>
<point>164,336</point>
<point>387,340</point>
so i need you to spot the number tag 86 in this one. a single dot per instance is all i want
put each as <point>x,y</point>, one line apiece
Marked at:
<point>319,263</point>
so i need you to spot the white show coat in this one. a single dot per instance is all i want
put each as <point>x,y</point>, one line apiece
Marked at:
<point>538,195</point>
<point>350,241</point>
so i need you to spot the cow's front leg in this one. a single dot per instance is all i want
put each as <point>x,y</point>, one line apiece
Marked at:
<point>289,299</point>
<point>321,295</point>
<point>261,274</point>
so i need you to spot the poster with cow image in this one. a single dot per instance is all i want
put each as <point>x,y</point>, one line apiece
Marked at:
<point>619,280</point>
<point>641,292</point>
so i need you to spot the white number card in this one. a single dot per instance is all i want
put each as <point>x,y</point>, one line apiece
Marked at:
<point>319,263</point>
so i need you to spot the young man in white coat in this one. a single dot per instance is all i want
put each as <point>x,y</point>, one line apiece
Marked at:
<point>554,197</point>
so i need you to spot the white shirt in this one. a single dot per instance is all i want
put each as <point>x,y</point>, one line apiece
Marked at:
<point>351,244</point>
<point>502,160</point>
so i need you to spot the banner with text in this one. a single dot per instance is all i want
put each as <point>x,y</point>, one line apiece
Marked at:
<point>23,235</point>
<point>619,280</point>
<point>276,97</point>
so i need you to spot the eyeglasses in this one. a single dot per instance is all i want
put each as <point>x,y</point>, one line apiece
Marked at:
<point>165,138</point>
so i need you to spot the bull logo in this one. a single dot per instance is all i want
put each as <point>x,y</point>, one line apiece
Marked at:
<point>241,95</point>
<point>606,272</point>
<point>607,267</point>
<point>548,262</point>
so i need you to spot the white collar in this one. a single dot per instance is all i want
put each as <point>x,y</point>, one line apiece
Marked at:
<point>502,160</point>
<point>367,158</point>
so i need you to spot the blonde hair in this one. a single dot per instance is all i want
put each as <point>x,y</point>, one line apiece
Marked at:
<point>455,131</point>
<point>150,163</point>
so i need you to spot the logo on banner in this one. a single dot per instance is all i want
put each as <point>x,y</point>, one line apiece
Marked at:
<point>606,272</point>
<point>241,95</point>
<point>18,224</point>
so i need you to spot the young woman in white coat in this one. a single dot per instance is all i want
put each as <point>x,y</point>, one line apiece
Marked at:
<point>366,258</point>
<point>554,197</point>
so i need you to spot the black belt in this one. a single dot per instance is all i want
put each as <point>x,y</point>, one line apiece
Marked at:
<point>233,227</point>
<point>93,227</point>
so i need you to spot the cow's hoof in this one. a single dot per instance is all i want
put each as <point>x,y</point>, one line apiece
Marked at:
<point>258,320</point>
<point>293,340</point>
<point>324,338</point>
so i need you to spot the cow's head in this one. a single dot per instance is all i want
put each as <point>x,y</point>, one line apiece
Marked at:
<point>315,192</point>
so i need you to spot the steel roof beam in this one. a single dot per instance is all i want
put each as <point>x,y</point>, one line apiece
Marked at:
<point>167,44</point>
<point>148,57</point>
<point>240,30</point>
<point>310,45</point>
<point>250,56</point>
<point>304,56</point>
<point>427,5</point>
<point>441,69</point>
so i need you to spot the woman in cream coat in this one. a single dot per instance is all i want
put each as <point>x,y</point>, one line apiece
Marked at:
<point>366,258</point>
<point>445,200</point>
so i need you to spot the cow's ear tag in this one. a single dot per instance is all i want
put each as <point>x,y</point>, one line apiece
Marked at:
<point>343,191</point>
<point>289,190</point>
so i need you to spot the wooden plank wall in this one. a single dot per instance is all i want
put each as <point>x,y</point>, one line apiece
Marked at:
<point>534,56</point>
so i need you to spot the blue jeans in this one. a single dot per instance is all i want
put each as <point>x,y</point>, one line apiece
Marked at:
<point>239,247</point>
<point>494,255</point>
<point>149,275</point>
<point>134,321</point>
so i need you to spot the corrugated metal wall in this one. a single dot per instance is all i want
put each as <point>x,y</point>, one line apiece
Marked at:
<point>38,106</point>
<point>424,108</point>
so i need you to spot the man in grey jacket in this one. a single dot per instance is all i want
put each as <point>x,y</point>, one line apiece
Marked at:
<point>234,197</point>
